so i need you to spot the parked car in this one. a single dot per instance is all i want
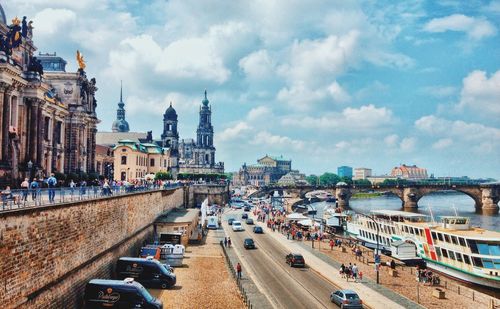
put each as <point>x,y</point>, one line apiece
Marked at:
<point>249,221</point>
<point>244,216</point>
<point>258,230</point>
<point>246,208</point>
<point>103,293</point>
<point>346,299</point>
<point>248,243</point>
<point>295,259</point>
<point>230,221</point>
<point>237,226</point>
<point>149,272</point>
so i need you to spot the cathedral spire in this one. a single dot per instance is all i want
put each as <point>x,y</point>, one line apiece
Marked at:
<point>120,124</point>
<point>121,91</point>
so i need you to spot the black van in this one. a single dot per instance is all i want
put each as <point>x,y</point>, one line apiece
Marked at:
<point>101,293</point>
<point>147,271</point>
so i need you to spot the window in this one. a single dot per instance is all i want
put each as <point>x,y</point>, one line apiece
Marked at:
<point>487,263</point>
<point>46,125</point>
<point>124,160</point>
<point>462,242</point>
<point>438,251</point>
<point>483,248</point>
<point>57,132</point>
<point>434,235</point>
<point>152,162</point>
<point>477,261</point>
<point>454,240</point>
<point>440,236</point>
<point>445,252</point>
<point>459,257</point>
<point>466,259</point>
<point>447,237</point>
<point>451,254</point>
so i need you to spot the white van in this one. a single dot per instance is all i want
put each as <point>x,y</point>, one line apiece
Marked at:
<point>212,222</point>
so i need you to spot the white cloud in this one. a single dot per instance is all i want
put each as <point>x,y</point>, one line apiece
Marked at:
<point>481,94</point>
<point>257,65</point>
<point>338,93</point>
<point>439,91</point>
<point>233,132</point>
<point>476,28</point>
<point>270,141</point>
<point>258,113</point>
<point>408,144</point>
<point>49,21</point>
<point>391,140</point>
<point>442,143</point>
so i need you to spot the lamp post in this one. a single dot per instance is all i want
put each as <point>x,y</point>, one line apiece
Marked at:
<point>30,168</point>
<point>377,253</point>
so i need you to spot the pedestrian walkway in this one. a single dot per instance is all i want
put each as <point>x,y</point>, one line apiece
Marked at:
<point>373,295</point>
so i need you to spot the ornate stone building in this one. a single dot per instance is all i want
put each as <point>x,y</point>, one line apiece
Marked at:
<point>199,157</point>
<point>268,170</point>
<point>47,117</point>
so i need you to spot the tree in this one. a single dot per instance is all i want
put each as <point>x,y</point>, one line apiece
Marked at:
<point>362,182</point>
<point>163,175</point>
<point>312,180</point>
<point>329,179</point>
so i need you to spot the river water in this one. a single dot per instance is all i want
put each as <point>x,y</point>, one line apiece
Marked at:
<point>442,204</point>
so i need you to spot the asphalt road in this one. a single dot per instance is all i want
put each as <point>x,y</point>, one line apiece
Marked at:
<point>285,287</point>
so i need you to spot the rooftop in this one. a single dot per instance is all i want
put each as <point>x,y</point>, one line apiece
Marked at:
<point>179,216</point>
<point>112,138</point>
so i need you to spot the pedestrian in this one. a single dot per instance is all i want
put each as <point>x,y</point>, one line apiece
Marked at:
<point>342,270</point>
<point>331,244</point>
<point>393,264</point>
<point>360,275</point>
<point>52,182</point>
<point>229,242</point>
<point>72,186</point>
<point>347,272</point>
<point>238,270</point>
<point>34,188</point>
<point>355,272</point>
<point>25,185</point>
<point>225,241</point>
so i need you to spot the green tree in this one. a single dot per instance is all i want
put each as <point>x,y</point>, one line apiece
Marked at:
<point>347,180</point>
<point>362,182</point>
<point>163,175</point>
<point>312,180</point>
<point>329,179</point>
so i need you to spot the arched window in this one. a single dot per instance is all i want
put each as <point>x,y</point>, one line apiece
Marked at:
<point>124,159</point>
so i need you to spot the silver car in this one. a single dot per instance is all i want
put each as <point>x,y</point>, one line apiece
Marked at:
<point>346,299</point>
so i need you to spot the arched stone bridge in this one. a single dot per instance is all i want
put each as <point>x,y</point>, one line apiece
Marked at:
<point>485,196</point>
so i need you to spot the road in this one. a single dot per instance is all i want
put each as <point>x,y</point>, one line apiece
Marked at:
<point>285,287</point>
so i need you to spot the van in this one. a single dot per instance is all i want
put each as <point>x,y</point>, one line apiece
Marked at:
<point>147,271</point>
<point>102,293</point>
<point>212,222</point>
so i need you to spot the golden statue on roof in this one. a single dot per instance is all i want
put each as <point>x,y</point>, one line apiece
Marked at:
<point>80,60</point>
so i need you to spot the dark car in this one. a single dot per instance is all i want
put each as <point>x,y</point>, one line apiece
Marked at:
<point>246,208</point>
<point>248,243</point>
<point>244,216</point>
<point>103,293</point>
<point>258,230</point>
<point>295,259</point>
<point>249,221</point>
<point>149,272</point>
<point>230,221</point>
<point>346,299</point>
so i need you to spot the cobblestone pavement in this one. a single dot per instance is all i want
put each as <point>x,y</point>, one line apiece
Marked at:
<point>204,281</point>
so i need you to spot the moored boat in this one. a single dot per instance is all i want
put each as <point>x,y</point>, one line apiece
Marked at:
<point>450,246</point>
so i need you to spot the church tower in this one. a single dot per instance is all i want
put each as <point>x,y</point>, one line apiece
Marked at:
<point>170,136</point>
<point>205,136</point>
<point>120,124</point>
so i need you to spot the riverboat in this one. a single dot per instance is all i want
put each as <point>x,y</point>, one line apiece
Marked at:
<point>450,246</point>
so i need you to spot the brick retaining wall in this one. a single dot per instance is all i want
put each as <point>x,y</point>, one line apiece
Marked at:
<point>48,253</point>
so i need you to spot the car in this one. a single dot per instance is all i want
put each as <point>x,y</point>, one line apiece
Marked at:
<point>237,226</point>
<point>147,271</point>
<point>258,230</point>
<point>230,221</point>
<point>246,208</point>
<point>244,216</point>
<point>295,259</point>
<point>249,221</point>
<point>248,243</point>
<point>346,299</point>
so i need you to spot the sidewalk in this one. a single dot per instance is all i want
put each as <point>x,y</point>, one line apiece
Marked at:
<point>375,296</point>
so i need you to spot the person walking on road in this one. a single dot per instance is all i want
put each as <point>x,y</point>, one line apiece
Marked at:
<point>225,241</point>
<point>238,270</point>
<point>25,185</point>
<point>331,244</point>
<point>229,242</point>
<point>355,272</point>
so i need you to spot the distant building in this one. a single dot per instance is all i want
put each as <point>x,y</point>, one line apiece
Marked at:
<point>379,179</point>
<point>134,160</point>
<point>344,171</point>
<point>104,161</point>
<point>362,173</point>
<point>409,172</point>
<point>267,170</point>
<point>293,178</point>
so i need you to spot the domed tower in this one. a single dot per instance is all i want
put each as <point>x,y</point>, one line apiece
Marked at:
<point>170,136</point>
<point>120,124</point>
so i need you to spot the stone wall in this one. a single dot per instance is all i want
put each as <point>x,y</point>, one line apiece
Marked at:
<point>217,194</point>
<point>49,253</point>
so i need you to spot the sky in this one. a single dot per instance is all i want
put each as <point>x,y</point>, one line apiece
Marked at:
<point>325,83</point>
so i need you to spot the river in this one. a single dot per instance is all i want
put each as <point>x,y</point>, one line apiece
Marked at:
<point>441,204</point>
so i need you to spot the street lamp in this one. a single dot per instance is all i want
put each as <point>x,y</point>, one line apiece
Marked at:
<point>377,253</point>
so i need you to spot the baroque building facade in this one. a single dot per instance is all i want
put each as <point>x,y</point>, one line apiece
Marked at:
<point>268,170</point>
<point>47,115</point>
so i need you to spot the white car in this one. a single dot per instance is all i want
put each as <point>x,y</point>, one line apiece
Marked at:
<point>237,226</point>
